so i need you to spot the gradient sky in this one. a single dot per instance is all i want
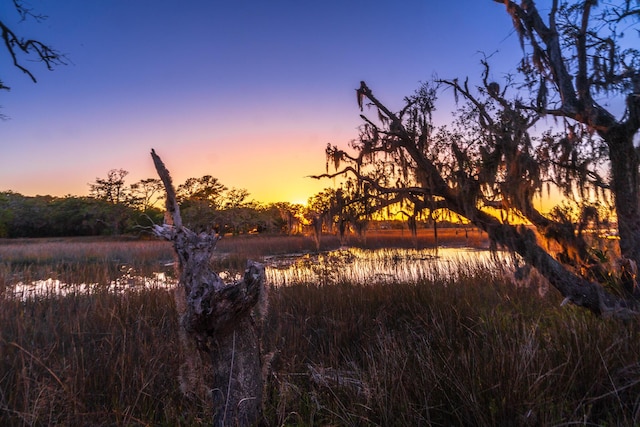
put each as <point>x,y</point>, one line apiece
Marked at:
<point>249,92</point>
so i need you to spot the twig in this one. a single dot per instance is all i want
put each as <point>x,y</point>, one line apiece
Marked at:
<point>233,354</point>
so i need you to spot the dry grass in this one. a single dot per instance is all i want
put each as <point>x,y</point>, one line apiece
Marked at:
<point>474,351</point>
<point>444,353</point>
<point>80,260</point>
<point>100,359</point>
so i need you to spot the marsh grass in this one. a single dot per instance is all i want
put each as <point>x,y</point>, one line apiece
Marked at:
<point>477,351</point>
<point>469,349</point>
<point>99,359</point>
<point>81,260</point>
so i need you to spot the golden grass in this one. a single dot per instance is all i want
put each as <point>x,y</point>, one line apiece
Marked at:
<point>467,350</point>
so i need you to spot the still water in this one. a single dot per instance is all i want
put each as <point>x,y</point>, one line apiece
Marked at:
<point>362,266</point>
<point>346,265</point>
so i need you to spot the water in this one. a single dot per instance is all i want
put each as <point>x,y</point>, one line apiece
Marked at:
<point>346,265</point>
<point>126,282</point>
<point>359,266</point>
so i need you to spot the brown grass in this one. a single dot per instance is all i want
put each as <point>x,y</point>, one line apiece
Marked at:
<point>474,351</point>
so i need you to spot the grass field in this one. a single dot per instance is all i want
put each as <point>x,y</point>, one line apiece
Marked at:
<point>476,350</point>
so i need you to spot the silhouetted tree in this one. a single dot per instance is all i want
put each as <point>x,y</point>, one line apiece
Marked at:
<point>286,217</point>
<point>111,189</point>
<point>146,194</point>
<point>235,198</point>
<point>493,160</point>
<point>114,191</point>
<point>205,189</point>
<point>319,213</point>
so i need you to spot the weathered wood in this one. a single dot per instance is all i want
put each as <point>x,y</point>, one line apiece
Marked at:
<point>218,316</point>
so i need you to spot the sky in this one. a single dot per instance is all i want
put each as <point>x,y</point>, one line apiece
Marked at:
<point>248,91</point>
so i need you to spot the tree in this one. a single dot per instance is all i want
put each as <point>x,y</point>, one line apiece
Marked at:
<point>146,193</point>
<point>575,59</point>
<point>493,160</point>
<point>111,189</point>
<point>200,201</point>
<point>319,213</point>
<point>353,208</point>
<point>286,217</point>
<point>217,317</point>
<point>236,198</point>
<point>22,49</point>
<point>206,189</point>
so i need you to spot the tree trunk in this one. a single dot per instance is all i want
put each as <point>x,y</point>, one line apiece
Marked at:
<point>218,317</point>
<point>237,398</point>
<point>575,289</point>
<point>625,186</point>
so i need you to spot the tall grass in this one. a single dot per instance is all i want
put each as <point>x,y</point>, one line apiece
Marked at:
<point>475,352</point>
<point>469,350</point>
<point>99,359</point>
<point>80,260</point>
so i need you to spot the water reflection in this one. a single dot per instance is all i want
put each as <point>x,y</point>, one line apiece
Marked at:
<point>347,265</point>
<point>362,266</point>
<point>55,287</point>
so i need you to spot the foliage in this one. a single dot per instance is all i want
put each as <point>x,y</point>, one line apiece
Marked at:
<point>206,188</point>
<point>115,207</point>
<point>491,162</point>
<point>344,208</point>
<point>41,216</point>
<point>111,189</point>
<point>146,194</point>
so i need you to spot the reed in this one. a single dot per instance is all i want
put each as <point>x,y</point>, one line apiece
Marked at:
<point>96,359</point>
<point>81,260</point>
<point>464,349</point>
<point>474,351</point>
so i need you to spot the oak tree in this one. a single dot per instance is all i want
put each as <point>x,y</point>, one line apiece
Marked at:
<point>501,152</point>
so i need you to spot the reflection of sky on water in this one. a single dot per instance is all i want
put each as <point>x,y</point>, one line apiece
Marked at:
<point>127,282</point>
<point>360,266</point>
<point>349,265</point>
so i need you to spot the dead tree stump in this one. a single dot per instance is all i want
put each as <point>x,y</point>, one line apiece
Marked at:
<point>218,317</point>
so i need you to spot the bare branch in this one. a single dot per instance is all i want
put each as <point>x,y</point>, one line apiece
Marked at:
<point>16,45</point>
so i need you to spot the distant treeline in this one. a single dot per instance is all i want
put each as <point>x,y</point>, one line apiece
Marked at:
<point>48,216</point>
<point>114,208</point>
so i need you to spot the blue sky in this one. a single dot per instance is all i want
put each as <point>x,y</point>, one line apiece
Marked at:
<point>247,91</point>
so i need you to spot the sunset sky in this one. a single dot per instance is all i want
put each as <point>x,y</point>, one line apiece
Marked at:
<point>249,92</point>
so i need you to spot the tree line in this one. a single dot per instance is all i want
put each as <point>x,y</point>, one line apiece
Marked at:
<point>114,207</point>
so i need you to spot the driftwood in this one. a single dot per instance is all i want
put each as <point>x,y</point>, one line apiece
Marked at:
<point>217,317</point>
